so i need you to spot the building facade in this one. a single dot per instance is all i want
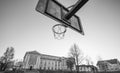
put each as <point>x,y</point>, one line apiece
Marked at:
<point>109,65</point>
<point>87,68</point>
<point>18,65</point>
<point>41,61</point>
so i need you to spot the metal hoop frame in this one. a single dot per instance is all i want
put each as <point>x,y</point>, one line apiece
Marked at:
<point>59,25</point>
<point>59,35</point>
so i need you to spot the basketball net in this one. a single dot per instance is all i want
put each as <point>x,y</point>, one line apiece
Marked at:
<point>59,31</point>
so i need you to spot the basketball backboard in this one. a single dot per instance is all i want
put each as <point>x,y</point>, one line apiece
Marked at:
<point>56,11</point>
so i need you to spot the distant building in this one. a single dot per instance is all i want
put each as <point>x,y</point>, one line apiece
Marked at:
<point>87,68</point>
<point>108,65</point>
<point>18,65</point>
<point>41,61</point>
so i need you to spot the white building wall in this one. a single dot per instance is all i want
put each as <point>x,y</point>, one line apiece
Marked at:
<point>60,66</point>
<point>46,62</point>
<point>37,66</point>
<point>42,64</point>
<point>27,56</point>
<point>53,65</point>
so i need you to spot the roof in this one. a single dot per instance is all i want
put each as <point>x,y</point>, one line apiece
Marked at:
<point>111,61</point>
<point>33,52</point>
<point>44,55</point>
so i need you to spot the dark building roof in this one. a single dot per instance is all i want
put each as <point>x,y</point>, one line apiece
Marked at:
<point>111,61</point>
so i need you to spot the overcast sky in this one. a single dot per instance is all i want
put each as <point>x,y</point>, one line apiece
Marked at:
<point>23,28</point>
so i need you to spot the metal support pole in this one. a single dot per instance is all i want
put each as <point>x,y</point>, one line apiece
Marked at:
<point>75,8</point>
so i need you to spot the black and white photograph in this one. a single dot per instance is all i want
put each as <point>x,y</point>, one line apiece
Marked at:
<point>59,36</point>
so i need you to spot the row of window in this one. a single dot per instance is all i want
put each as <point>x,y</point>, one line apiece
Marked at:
<point>48,64</point>
<point>84,69</point>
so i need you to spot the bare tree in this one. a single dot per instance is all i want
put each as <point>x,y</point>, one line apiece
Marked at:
<point>88,61</point>
<point>77,54</point>
<point>99,58</point>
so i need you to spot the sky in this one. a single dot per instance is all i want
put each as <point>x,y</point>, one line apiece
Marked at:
<point>25,29</point>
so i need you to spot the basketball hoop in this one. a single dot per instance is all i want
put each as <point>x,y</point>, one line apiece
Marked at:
<point>59,31</point>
